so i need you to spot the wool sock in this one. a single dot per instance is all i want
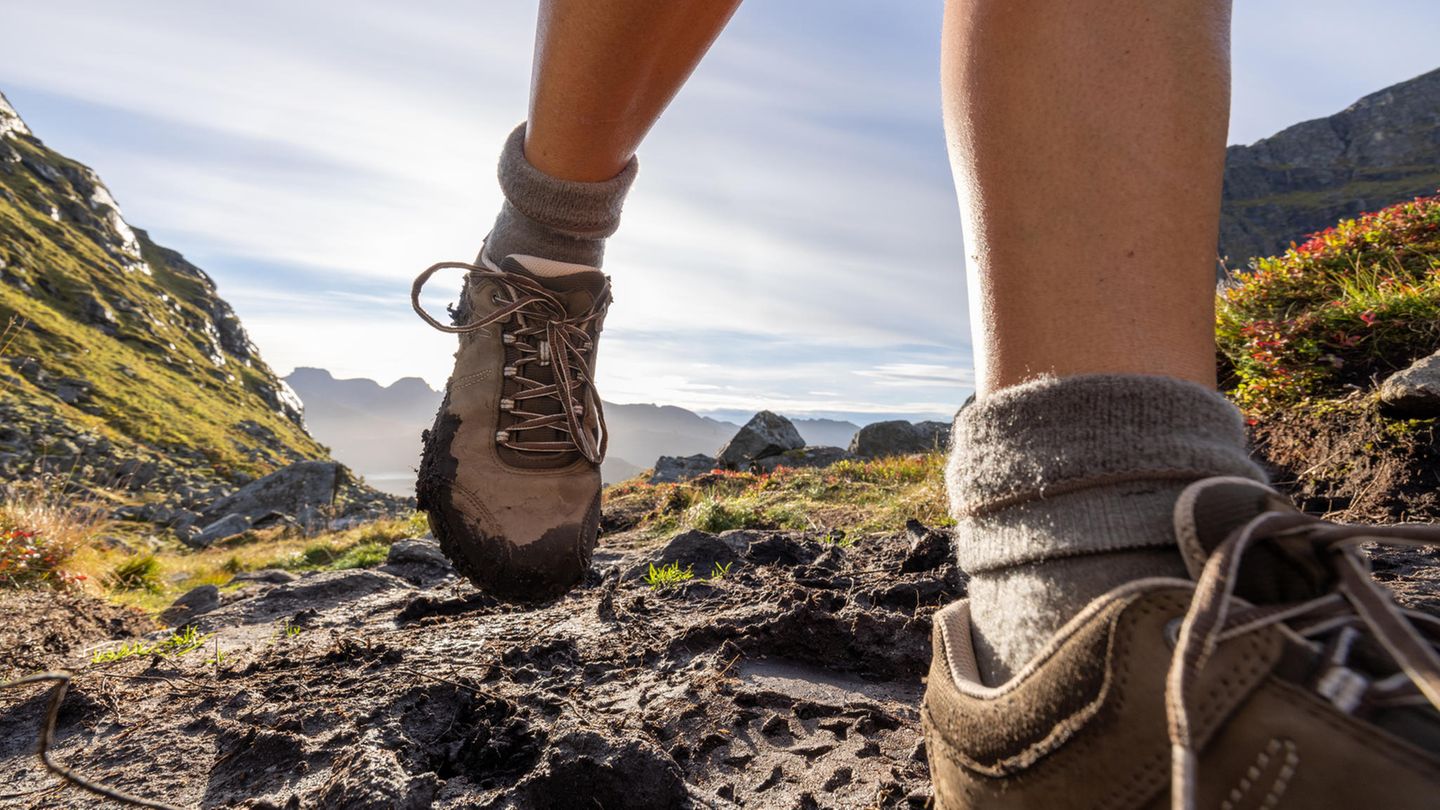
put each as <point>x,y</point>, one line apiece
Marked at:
<point>546,216</point>
<point>1063,488</point>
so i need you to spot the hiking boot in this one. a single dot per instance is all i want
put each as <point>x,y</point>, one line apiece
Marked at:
<point>1281,676</point>
<point>510,476</point>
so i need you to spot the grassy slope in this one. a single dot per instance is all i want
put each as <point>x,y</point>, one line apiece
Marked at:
<point>155,382</point>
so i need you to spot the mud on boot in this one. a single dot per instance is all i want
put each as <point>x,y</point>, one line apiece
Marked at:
<point>510,475</point>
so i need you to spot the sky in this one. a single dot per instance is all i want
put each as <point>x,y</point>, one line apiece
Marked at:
<point>792,242</point>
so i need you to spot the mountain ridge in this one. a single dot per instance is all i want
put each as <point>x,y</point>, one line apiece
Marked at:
<point>126,369</point>
<point>1383,149</point>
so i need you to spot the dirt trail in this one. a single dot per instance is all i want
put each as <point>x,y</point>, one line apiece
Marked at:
<point>793,681</point>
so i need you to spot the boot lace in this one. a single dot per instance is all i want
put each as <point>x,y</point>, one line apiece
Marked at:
<point>545,336</point>
<point>1356,604</point>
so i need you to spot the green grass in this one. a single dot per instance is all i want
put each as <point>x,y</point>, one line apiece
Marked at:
<point>668,577</point>
<point>183,641</point>
<point>138,573</point>
<point>845,500</point>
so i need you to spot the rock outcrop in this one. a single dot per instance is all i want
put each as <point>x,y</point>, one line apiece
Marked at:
<point>127,369</point>
<point>1383,149</point>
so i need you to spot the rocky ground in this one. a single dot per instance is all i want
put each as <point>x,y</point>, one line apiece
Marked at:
<point>792,680</point>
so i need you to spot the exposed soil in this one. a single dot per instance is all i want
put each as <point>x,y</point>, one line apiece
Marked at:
<point>43,626</point>
<point>793,681</point>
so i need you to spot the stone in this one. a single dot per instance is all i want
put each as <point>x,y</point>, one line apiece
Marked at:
<point>1413,393</point>
<point>194,602</point>
<point>899,438</point>
<point>809,456</point>
<point>417,552</point>
<point>222,529</point>
<point>766,434</point>
<point>674,469</point>
<point>304,490</point>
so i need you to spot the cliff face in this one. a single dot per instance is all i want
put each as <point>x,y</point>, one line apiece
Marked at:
<point>124,367</point>
<point>1383,149</point>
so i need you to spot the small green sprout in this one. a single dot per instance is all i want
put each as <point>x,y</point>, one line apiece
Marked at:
<point>721,571</point>
<point>669,576</point>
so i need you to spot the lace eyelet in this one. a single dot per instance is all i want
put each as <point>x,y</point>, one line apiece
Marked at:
<point>502,436</point>
<point>507,404</point>
<point>508,371</point>
<point>1172,631</point>
<point>507,338</point>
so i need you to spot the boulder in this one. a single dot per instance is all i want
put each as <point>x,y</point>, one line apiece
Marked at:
<point>674,469</point>
<point>1413,393</point>
<point>766,434</point>
<point>899,438</point>
<point>222,529</point>
<point>305,491</point>
<point>809,456</point>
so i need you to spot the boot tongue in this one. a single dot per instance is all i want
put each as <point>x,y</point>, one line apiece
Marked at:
<point>1209,511</point>
<point>577,285</point>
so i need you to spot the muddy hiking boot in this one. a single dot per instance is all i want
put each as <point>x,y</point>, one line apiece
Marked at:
<point>1282,676</point>
<point>510,476</point>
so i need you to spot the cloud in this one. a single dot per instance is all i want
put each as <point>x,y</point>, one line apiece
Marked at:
<point>792,242</point>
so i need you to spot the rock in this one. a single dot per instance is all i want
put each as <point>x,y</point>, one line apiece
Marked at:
<point>803,457</point>
<point>194,602</point>
<point>417,552</point>
<point>674,469</point>
<point>1378,151</point>
<point>699,551</point>
<point>929,548</point>
<point>766,434</point>
<point>1413,393</point>
<point>304,490</point>
<point>272,576</point>
<point>899,438</point>
<point>222,529</point>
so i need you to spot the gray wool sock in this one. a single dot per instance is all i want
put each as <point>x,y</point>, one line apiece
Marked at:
<point>1063,489</point>
<point>546,216</point>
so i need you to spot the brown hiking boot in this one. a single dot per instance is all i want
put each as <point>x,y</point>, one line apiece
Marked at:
<point>510,476</point>
<point>1282,677</point>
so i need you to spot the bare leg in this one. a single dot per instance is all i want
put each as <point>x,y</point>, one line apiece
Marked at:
<point>604,71</point>
<point>1087,140</point>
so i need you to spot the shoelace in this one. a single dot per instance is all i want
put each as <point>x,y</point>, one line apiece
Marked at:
<point>547,335</point>
<point>1409,637</point>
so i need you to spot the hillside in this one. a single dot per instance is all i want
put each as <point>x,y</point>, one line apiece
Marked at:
<point>124,367</point>
<point>1383,149</point>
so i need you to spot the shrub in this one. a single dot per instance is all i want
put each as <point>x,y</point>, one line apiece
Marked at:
<point>1351,304</point>
<point>41,528</point>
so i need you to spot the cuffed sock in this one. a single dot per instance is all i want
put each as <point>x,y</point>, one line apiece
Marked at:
<point>546,216</point>
<point>1063,489</point>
